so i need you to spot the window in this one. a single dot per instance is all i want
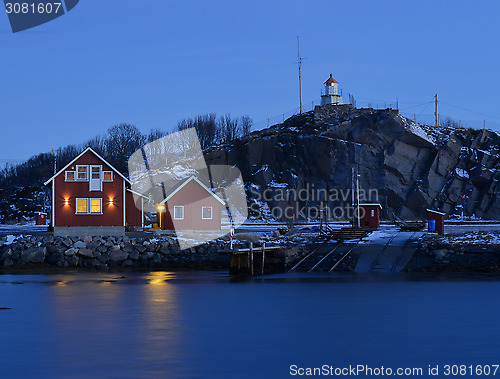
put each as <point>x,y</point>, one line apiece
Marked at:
<point>206,213</point>
<point>95,205</point>
<point>179,212</point>
<point>81,172</point>
<point>69,176</point>
<point>107,176</point>
<point>88,206</point>
<point>95,172</point>
<point>82,205</point>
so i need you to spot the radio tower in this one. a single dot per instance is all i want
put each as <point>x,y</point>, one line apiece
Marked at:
<point>299,62</point>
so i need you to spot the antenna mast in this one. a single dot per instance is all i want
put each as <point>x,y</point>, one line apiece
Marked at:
<point>299,61</point>
<point>436,108</point>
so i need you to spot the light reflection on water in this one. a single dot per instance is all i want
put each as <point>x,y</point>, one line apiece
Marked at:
<point>206,324</point>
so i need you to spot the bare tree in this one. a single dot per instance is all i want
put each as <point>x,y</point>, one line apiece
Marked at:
<point>229,129</point>
<point>246,125</point>
<point>121,142</point>
<point>206,128</point>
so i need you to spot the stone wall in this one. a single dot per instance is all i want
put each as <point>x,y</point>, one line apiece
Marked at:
<point>109,252</point>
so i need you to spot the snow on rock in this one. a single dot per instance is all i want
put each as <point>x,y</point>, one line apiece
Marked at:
<point>462,173</point>
<point>420,132</point>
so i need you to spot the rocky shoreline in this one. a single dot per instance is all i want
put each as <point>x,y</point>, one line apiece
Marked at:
<point>105,253</point>
<point>471,252</point>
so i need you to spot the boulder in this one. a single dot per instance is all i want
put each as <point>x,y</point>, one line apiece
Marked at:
<point>87,253</point>
<point>34,255</point>
<point>118,256</point>
<point>79,244</point>
<point>71,251</point>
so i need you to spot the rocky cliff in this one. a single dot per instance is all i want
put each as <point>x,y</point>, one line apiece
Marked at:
<point>404,166</point>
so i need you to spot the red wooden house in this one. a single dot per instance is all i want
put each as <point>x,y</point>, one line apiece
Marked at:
<point>190,206</point>
<point>369,215</point>
<point>435,221</point>
<point>89,196</point>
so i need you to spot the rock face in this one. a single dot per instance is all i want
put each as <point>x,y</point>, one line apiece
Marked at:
<point>404,166</point>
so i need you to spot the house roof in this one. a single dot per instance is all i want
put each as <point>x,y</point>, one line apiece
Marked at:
<point>181,185</point>
<point>437,212</point>
<point>78,156</point>
<point>331,81</point>
<point>370,204</point>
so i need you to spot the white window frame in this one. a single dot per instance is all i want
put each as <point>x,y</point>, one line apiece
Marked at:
<point>100,206</point>
<point>66,176</point>
<point>86,173</point>
<point>76,206</point>
<point>107,180</point>
<point>89,206</point>
<point>179,207</point>
<point>211,213</point>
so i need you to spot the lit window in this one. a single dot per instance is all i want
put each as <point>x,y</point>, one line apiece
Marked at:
<point>107,176</point>
<point>206,213</point>
<point>95,172</point>
<point>95,205</point>
<point>82,205</point>
<point>179,212</point>
<point>81,172</point>
<point>70,176</point>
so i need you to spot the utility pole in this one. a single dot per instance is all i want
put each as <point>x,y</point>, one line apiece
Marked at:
<point>55,161</point>
<point>357,195</point>
<point>299,61</point>
<point>436,108</point>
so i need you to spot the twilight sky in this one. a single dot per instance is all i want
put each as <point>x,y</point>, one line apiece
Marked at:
<point>154,62</point>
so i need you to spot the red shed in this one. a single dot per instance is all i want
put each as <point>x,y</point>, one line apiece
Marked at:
<point>369,215</point>
<point>41,218</point>
<point>435,221</point>
<point>190,206</point>
<point>89,196</point>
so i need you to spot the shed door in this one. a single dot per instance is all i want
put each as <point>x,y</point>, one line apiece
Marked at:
<point>95,178</point>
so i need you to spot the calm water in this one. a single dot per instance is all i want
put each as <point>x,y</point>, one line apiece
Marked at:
<point>206,325</point>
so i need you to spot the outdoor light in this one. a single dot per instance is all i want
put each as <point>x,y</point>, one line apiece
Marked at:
<point>161,208</point>
<point>66,201</point>
<point>110,201</point>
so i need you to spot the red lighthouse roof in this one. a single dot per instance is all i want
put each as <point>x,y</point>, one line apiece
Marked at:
<point>331,81</point>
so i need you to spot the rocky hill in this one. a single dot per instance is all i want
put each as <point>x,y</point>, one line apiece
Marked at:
<point>404,166</point>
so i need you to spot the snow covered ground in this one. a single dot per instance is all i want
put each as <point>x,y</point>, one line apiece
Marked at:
<point>474,238</point>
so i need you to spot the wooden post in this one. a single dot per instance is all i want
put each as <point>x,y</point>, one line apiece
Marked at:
<point>251,258</point>
<point>263,257</point>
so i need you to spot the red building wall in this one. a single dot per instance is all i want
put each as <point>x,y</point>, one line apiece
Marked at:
<point>66,194</point>
<point>193,197</point>
<point>366,218</point>
<point>134,210</point>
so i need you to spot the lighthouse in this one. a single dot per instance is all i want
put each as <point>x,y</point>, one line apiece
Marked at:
<point>330,94</point>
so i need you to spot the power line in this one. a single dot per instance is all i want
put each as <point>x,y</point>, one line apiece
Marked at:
<point>469,110</point>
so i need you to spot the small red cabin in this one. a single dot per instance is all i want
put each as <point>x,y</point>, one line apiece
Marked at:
<point>190,206</point>
<point>89,196</point>
<point>435,221</point>
<point>369,215</point>
<point>41,218</point>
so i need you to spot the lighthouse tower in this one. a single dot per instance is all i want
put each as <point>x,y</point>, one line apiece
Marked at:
<point>330,94</point>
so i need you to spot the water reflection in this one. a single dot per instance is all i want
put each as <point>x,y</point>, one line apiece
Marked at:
<point>138,317</point>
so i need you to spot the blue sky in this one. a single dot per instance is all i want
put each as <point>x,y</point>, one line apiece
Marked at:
<point>154,62</point>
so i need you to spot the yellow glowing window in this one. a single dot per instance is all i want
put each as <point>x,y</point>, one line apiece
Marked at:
<point>70,175</point>
<point>95,206</point>
<point>81,172</point>
<point>82,205</point>
<point>107,176</point>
